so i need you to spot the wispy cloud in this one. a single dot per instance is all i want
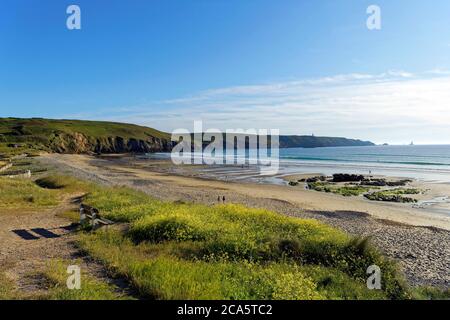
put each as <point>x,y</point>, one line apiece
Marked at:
<point>439,71</point>
<point>395,106</point>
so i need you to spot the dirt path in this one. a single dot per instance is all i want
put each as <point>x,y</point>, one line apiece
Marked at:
<point>31,240</point>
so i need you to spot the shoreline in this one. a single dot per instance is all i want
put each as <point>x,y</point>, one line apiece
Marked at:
<point>287,166</point>
<point>421,246</point>
<point>432,209</point>
<point>163,170</point>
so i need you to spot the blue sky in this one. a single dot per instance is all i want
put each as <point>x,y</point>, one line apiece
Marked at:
<point>300,66</point>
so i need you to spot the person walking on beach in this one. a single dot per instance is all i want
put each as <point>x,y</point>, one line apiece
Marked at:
<point>223,198</point>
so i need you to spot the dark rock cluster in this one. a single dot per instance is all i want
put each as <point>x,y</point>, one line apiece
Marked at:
<point>385,183</point>
<point>344,177</point>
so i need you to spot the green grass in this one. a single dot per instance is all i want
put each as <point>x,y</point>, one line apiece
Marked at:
<point>43,128</point>
<point>157,272</point>
<point>45,192</point>
<point>22,165</point>
<point>197,237</point>
<point>55,276</point>
<point>122,204</point>
<point>68,184</point>
<point>53,281</point>
<point>393,195</point>
<point>231,230</point>
<point>345,191</point>
<point>430,293</point>
<point>6,151</point>
<point>7,290</point>
<point>400,191</point>
<point>25,194</point>
<point>72,215</point>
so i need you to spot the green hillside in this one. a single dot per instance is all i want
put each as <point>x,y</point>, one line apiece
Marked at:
<point>77,136</point>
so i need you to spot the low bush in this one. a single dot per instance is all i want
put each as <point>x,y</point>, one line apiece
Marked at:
<point>167,228</point>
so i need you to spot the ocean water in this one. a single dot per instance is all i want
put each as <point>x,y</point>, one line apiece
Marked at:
<point>431,156</point>
<point>430,163</point>
<point>425,162</point>
<point>422,162</point>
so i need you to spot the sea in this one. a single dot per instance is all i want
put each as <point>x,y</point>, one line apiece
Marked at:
<point>423,162</point>
<point>429,163</point>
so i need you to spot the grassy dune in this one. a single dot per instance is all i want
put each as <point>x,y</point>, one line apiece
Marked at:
<point>159,272</point>
<point>189,251</point>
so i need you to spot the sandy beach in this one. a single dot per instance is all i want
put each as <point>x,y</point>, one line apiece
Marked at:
<point>417,237</point>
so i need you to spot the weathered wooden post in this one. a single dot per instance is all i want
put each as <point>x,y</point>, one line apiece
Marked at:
<point>93,219</point>
<point>82,215</point>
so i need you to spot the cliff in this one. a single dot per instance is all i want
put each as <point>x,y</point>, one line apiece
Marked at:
<point>75,136</point>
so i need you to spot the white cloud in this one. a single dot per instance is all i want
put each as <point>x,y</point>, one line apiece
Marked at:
<point>400,73</point>
<point>439,71</point>
<point>395,107</point>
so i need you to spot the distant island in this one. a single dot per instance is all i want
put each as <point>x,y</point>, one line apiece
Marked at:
<point>80,136</point>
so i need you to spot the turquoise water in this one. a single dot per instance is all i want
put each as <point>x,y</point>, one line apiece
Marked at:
<point>434,156</point>
<point>428,162</point>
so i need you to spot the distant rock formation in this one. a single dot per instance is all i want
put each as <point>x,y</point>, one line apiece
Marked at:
<point>315,142</point>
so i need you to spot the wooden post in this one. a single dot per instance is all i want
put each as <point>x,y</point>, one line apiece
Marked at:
<point>94,216</point>
<point>82,215</point>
